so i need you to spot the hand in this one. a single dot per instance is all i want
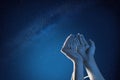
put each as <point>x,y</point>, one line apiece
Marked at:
<point>70,48</point>
<point>86,50</point>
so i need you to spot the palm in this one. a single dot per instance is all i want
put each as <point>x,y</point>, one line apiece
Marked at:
<point>70,49</point>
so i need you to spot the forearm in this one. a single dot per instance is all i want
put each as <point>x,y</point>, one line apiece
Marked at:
<point>93,71</point>
<point>77,70</point>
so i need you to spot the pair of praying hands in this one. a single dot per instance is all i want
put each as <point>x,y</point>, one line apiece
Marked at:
<point>81,53</point>
<point>77,48</point>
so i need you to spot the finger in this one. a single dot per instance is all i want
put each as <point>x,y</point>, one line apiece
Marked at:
<point>77,43</point>
<point>68,41</point>
<point>84,41</point>
<point>92,44</point>
<point>73,43</point>
<point>80,39</point>
<point>92,47</point>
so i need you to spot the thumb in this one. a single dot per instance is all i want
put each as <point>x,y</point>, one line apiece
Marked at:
<point>92,47</point>
<point>92,44</point>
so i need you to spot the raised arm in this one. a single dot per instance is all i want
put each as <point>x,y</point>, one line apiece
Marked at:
<point>70,50</point>
<point>88,58</point>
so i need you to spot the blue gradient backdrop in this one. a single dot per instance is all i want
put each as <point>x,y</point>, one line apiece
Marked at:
<point>32,33</point>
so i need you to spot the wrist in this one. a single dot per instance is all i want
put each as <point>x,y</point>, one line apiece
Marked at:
<point>93,70</point>
<point>78,60</point>
<point>89,62</point>
<point>78,64</point>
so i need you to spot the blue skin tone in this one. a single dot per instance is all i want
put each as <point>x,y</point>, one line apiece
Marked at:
<point>77,49</point>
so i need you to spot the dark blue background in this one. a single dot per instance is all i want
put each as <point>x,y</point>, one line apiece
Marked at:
<point>32,33</point>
